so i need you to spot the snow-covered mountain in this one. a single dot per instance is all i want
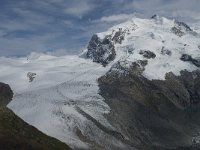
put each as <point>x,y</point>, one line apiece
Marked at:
<point>64,100</point>
<point>161,41</point>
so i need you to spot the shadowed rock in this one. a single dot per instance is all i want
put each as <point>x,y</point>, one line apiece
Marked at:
<point>180,28</point>
<point>6,94</point>
<point>186,57</point>
<point>183,25</point>
<point>101,51</point>
<point>154,114</point>
<point>31,76</point>
<point>147,54</point>
<point>119,36</point>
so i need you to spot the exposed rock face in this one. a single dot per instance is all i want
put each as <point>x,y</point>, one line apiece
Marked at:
<point>31,76</point>
<point>6,94</point>
<point>101,51</point>
<point>186,57</point>
<point>154,16</point>
<point>177,31</point>
<point>183,26</point>
<point>154,114</point>
<point>147,54</point>
<point>119,36</point>
<point>180,28</point>
<point>165,51</point>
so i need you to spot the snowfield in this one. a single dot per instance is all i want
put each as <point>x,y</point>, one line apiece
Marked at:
<point>52,102</point>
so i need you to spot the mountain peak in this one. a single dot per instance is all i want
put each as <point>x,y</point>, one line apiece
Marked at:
<point>167,39</point>
<point>154,16</point>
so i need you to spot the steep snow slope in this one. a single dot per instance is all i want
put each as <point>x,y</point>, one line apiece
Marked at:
<point>167,39</point>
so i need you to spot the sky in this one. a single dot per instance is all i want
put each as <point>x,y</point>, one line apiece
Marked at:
<point>66,26</point>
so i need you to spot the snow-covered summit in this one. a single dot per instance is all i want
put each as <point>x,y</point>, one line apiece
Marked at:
<point>168,41</point>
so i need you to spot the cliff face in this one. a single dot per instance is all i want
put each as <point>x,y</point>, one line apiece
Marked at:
<point>154,114</point>
<point>15,134</point>
<point>101,50</point>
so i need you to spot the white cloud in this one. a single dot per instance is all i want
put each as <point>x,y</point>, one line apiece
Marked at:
<point>118,17</point>
<point>171,8</point>
<point>68,23</point>
<point>79,8</point>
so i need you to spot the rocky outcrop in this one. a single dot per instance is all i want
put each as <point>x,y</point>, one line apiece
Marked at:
<point>183,26</point>
<point>154,16</point>
<point>154,114</point>
<point>186,57</point>
<point>101,50</point>
<point>165,51</point>
<point>119,36</point>
<point>147,54</point>
<point>177,31</point>
<point>180,28</point>
<point>6,94</point>
<point>31,76</point>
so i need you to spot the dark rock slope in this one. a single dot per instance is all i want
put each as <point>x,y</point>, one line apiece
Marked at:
<point>188,58</point>
<point>5,94</point>
<point>180,28</point>
<point>15,134</point>
<point>154,114</point>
